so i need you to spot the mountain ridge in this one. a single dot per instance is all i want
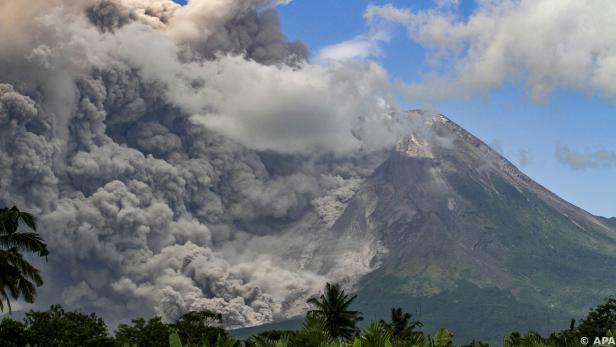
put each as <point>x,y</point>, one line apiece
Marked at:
<point>453,222</point>
<point>453,232</point>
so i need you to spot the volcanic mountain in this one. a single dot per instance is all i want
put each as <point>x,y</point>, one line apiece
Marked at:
<point>464,240</point>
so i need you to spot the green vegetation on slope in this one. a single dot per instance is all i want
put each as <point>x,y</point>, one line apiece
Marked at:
<point>533,267</point>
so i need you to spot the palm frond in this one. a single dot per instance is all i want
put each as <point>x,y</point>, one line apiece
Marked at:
<point>31,242</point>
<point>26,289</point>
<point>11,218</point>
<point>18,278</point>
<point>28,219</point>
<point>22,266</point>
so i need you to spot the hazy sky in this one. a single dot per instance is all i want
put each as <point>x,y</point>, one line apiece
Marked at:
<point>539,102</point>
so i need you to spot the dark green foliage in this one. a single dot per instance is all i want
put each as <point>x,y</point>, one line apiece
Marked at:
<point>58,328</point>
<point>477,344</point>
<point>442,338</point>
<point>274,335</point>
<point>224,341</point>
<point>18,278</point>
<point>402,326</point>
<point>375,335</point>
<point>600,320</point>
<point>312,333</point>
<point>332,308</point>
<point>12,333</point>
<point>198,327</point>
<point>514,339</point>
<point>153,333</point>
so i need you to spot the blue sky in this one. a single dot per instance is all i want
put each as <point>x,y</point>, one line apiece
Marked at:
<point>527,132</point>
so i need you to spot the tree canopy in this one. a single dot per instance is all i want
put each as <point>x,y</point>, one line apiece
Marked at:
<point>332,307</point>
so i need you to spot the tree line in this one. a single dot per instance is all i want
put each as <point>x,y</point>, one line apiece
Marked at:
<point>330,322</point>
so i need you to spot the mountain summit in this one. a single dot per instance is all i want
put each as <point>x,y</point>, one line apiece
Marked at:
<point>464,240</point>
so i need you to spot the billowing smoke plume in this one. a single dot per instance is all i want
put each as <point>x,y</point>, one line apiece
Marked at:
<point>181,158</point>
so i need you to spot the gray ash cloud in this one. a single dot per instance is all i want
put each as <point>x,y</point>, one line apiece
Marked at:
<point>164,180</point>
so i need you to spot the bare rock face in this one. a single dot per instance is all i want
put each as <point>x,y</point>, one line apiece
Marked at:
<point>463,239</point>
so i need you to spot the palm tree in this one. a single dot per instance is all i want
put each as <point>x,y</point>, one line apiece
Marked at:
<point>402,325</point>
<point>332,308</point>
<point>18,278</point>
<point>375,335</point>
<point>196,327</point>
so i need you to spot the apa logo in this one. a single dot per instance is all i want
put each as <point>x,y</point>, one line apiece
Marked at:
<point>604,341</point>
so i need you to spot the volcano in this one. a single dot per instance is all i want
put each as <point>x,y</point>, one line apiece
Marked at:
<point>464,240</point>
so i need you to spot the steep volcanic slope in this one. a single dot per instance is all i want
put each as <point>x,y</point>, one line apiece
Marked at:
<point>465,240</point>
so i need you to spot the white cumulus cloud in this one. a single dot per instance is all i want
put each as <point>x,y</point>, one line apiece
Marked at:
<point>544,44</point>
